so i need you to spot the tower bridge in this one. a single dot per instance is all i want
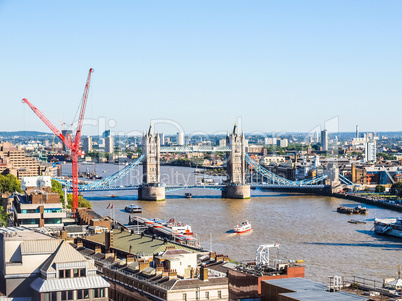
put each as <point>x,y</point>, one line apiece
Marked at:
<point>236,186</point>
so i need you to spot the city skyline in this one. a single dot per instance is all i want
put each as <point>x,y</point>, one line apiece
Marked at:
<point>279,66</point>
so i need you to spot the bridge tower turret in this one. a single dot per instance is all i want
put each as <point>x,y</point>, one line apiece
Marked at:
<point>151,189</point>
<point>236,167</point>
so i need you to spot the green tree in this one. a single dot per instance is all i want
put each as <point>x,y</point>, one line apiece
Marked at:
<point>386,156</point>
<point>81,202</point>
<point>56,187</point>
<point>397,189</point>
<point>3,217</point>
<point>367,189</point>
<point>379,188</point>
<point>9,183</point>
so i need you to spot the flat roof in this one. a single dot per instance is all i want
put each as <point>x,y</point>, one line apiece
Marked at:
<point>306,290</point>
<point>22,233</point>
<point>324,295</point>
<point>139,245</point>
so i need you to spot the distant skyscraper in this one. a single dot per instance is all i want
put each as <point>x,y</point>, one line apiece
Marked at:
<point>162,138</point>
<point>370,152</point>
<point>357,131</point>
<point>88,144</point>
<point>282,142</point>
<point>109,145</point>
<point>180,138</point>
<point>68,135</point>
<point>106,134</point>
<point>324,140</point>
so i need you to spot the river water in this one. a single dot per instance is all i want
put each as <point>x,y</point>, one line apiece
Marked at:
<point>307,227</point>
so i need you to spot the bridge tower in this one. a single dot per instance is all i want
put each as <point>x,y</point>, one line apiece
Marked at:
<point>236,167</point>
<point>333,182</point>
<point>151,189</point>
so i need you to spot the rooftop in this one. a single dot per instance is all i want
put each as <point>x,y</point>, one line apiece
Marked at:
<point>140,245</point>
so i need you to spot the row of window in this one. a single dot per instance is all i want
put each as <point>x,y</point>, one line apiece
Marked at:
<point>206,295</point>
<point>74,273</point>
<point>81,294</point>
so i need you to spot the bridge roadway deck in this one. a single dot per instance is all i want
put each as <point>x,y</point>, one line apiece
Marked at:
<point>216,187</point>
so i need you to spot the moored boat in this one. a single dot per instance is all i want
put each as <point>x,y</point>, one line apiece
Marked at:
<point>353,221</point>
<point>133,209</point>
<point>179,228</point>
<point>243,227</point>
<point>352,210</point>
<point>188,195</point>
<point>388,226</point>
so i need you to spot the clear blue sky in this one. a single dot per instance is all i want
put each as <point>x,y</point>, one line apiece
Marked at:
<point>279,65</point>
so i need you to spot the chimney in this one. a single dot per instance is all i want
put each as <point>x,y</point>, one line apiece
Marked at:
<point>108,240</point>
<point>130,259</point>
<point>159,269</point>
<point>165,273</point>
<point>225,258</point>
<point>192,273</point>
<point>64,235</point>
<point>110,254</point>
<point>204,273</point>
<point>79,244</point>
<point>143,264</point>
<point>212,256</point>
<point>98,249</point>
<point>172,274</point>
<point>219,257</point>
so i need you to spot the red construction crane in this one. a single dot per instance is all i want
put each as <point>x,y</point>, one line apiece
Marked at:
<point>73,145</point>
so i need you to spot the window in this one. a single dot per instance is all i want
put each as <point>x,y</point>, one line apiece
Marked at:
<point>185,297</point>
<point>67,273</point>
<point>76,273</point>
<point>47,296</point>
<point>83,294</point>
<point>70,295</point>
<point>206,295</point>
<point>219,294</point>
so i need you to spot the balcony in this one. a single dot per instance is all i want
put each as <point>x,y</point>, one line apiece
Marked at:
<point>27,215</point>
<point>54,215</point>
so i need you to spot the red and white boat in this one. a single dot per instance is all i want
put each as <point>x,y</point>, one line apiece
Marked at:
<point>243,227</point>
<point>179,228</point>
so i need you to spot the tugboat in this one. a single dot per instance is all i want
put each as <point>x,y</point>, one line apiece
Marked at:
<point>243,227</point>
<point>354,221</point>
<point>133,209</point>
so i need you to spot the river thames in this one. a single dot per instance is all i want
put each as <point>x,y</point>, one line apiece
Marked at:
<point>307,227</point>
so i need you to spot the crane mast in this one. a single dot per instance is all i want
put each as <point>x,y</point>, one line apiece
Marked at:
<point>74,146</point>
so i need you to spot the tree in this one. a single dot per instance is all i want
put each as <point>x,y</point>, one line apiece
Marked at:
<point>366,188</point>
<point>81,202</point>
<point>56,187</point>
<point>9,183</point>
<point>379,188</point>
<point>397,189</point>
<point>3,217</point>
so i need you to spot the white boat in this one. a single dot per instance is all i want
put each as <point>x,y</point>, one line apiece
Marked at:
<point>243,227</point>
<point>179,228</point>
<point>388,226</point>
<point>133,209</point>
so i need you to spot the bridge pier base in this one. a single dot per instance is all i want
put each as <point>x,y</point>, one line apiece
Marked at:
<point>151,193</point>
<point>236,192</point>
